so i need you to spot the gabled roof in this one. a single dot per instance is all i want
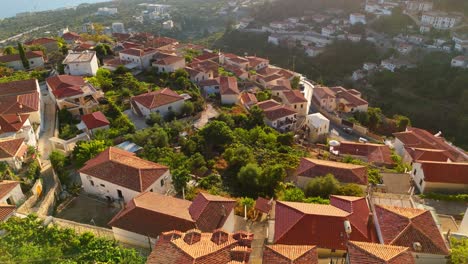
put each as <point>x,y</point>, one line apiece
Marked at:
<point>125,169</point>
<point>228,85</point>
<point>206,212</point>
<point>66,85</point>
<point>375,153</point>
<point>6,187</point>
<point>263,205</point>
<point>168,59</point>
<point>445,172</point>
<point>16,57</point>
<point>351,98</point>
<point>12,123</point>
<point>343,172</point>
<point>294,97</point>
<point>323,92</point>
<point>210,211</point>
<point>11,148</point>
<point>373,253</point>
<point>6,210</point>
<point>404,226</point>
<point>314,224</point>
<point>248,98</point>
<point>19,97</point>
<point>420,138</point>
<point>277,112</point>
<point>157,98</point>
<point>201,248</point>
<point>79,57</point>
<point>254,61</point>
<point>138,52</point>
<point>41,41</point>
<point>207,56</point>
<point>290,254</point>
<point>71,36</point>
<point>418,154</point>
<point>267,104</point>
<point>140,214</point>
<point>95,120</point>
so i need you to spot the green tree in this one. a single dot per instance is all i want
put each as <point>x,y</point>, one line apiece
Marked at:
<point>154,118</point>
<point>402,122</point>
<point>263,95</point>
<point>58,160</point>
<point>187,108</point>
<point>86,150</point>
<point>271,177</point>
<point>375,117</point>
<point>210,181</point>
<point>256,117</point>
<point>350,189</point>
<point>295,82</point>
<point>9,50</point>
<point>374,176</point>
<point>22,54</point>
<point>322,186</point>
<point>180,178</point>
<point>217,134</point>
<point>238,156</point>
<point>459,254</point>
<point>197,164</point>
<point>292,195</point>
<point>248,177</point>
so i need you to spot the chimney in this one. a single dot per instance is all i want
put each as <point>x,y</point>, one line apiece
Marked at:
<point>241,254</point>
<point>244,239</point>
<point>219,237</point>
<point>192,237</point>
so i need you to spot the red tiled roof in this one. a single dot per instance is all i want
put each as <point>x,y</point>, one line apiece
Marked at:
<point>420,138</point>
<point>121,36</point>
<point>40,41</point>
<point>445,172</point>
<point>294,97</point>
<point>263,205</point>
<point>343,172</point>
<point>125,169</point>
<point>404,226</point>
<point>277,112</point>
<point>248,98</point>
<point>12,122</point>
<point>19,97</point>
<point>66,85</point>
<point>6,187</point>
<point>427,154</point>
<point>143,211</point>
<point>10,148</point>
<point>323,92</point>
<point>95,120</point>
<point>373,253</point>
<point>71,36</point>
<point>254,61</point>
<point>375,153</point>
<point>210,211</point>
<point>129,45</point>
<point>359,218</point>
<point>16,57</point>
<point>300,254</point>
<point>312,224</point>
<point>138,52</point>
<point>267,104</point>
<point>6,210</point>
<point>351,99</point>
<point>207,56</point>
<point>200,248</point>
<point>168,59</point>
<point>158,98</point>
<point>228,85</point>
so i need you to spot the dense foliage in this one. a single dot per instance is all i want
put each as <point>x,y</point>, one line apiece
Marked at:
<point>446,197</point>
<point>393,25</point>
<point>27,240</point>
<point>459,254</point>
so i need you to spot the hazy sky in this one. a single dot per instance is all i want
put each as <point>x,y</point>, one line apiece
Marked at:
<point>9,8</point>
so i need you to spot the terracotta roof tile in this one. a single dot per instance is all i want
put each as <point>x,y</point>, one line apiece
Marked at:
<point>95,120</point>
<point>210,211</point>
<point>427,154</point>
<point>63,86</point>
<point>10,148</point>
<point>16,57</point>
<point>248,98</point>
<point>158,98</point>
<point>6,210</point>
<point>125,169</point>
<point>12,122</point>
<point>6,187</point>
<point>263,205</point>
<point>350,98</point>
<point>19,97</point>
<point>139,52</point>
<point>405,226</point>
<point>71,36</point>
<point>290,254</point>
<point>40,41</point>
<point>445,172</point>
<point>294,97</point>
<point>373,253</point>
<point>375,153</point>
<point>228,85</point>
<point>343,172</point>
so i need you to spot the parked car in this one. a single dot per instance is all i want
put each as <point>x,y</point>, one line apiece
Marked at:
<point>348,130</point>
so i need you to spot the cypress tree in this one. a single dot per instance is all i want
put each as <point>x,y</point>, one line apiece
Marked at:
<point>22,54</point>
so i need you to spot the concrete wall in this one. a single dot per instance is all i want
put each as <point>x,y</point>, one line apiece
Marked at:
<point>85,68</point>
<point>229,225</point>
<point>15,196</point>
<point>163,110</point>
<point>421,258</point>
<point>229,99</point>
<point>110,189</point>
<point>170,68</point>
<point>131,238</point>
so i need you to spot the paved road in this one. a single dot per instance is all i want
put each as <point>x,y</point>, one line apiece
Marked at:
<point>48,122</point>
<point>209,112</point>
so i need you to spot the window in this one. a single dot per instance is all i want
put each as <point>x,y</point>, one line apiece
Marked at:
<point>102,185</point>
<point>414,172</point>
<point>302,106</point>
<point>151,190</point>
<point>119,193</point>
<point>92,183</point>
<point>169,108</point>
<point>420,182</point>
<point>277,94</point>
<point>31,62</point>
<point>162,182</point>
<point>295,106</point>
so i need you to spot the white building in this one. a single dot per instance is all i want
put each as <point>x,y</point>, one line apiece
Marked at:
<point>35,59</point>
<point>141,58</point>
<point>419,6</point>
<point>118,27</point>
<point>460,62</point>
<point>328,31</point>
<point>314,51</point>
<point>461,42</point>
<point>369,66</point>
<point>278,116</point>
<point>168,63</point>
<point>440,20</point>
<point>107,11</point>
<point>355,18</point>
<point>81,63</point>
<point>440,177</point>
<point>161,102</point>
<point>11,193</point>
<point>226,87</point>
<point>274,39</point>
<point>13,152</point>
<point>358,75</point>
<point>168,25</point>
<point>394,64</point>
<point>318,127</point>
<point>90,123</point>
<point>116,174</point>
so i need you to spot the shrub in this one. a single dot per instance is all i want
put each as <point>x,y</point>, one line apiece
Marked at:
<point>322,186</point>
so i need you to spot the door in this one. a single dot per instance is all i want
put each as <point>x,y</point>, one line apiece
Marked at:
<point>119,193</point>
